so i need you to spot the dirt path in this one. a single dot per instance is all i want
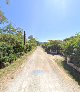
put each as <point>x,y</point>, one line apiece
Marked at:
<point>39,75</point>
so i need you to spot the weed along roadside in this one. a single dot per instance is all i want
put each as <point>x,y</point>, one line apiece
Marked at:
<point>10,72</point>
<point>62,63</point>
<point>14,50</point>
<point>14,46</point>
<point>38,74</point>
<point>71,71</point>
<point>39,46</point>
<point>69,47</point>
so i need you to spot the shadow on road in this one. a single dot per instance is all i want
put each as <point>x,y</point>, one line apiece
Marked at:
<point>74,73</point>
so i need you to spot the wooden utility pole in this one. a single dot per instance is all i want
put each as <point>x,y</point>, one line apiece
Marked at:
<point>24,38</point>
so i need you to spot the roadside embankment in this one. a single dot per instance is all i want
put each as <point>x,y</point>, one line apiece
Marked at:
<point>71,71</point>
<point>8,73</point>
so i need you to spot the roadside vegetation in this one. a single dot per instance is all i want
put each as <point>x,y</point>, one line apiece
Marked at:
<point>12,48</point>
<point>15,66</point>
<point>69,48</point>
<point>13,45</point>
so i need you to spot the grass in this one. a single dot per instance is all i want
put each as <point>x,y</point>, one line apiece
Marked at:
<point>14,66</point>
<point>71,71</point>
<point>58,59</point>
<point>68,69</point>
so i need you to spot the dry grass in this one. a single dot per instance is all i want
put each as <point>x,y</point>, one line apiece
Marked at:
<point>14,66</point>
<point>58,59</point>
<point>10,72</point>
<point>68,69</point>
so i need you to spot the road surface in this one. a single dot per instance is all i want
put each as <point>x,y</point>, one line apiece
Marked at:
<point>38,75</point>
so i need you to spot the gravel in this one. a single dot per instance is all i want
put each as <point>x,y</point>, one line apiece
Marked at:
<point>39,76</point>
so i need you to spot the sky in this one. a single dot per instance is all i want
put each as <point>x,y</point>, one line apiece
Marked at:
<point>44,19</point>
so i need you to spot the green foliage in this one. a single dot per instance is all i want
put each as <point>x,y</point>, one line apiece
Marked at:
<point>32,42</point>
<point>69,47</point>
<point>72,49</point>
<point>9,29</point>
<point>53,46</point>
<point>3,19</point>
<point>12,44</point>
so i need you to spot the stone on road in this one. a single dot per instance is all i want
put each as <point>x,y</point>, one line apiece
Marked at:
<point>38,76</point>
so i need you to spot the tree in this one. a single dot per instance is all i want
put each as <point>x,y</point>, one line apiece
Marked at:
<point>9,29</point>
<point>3,19</point>
<point>32,41</point>
<point>53,46</point>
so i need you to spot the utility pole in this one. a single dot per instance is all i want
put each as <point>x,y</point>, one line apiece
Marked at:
<point>24,38</point>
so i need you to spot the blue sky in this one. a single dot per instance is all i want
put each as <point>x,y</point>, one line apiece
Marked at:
<point>45,19</point>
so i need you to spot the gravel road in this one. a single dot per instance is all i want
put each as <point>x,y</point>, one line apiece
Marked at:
<point>38,75</point>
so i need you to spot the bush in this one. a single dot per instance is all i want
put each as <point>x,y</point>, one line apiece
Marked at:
<point>53,46</point>
<point>12,45</point>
